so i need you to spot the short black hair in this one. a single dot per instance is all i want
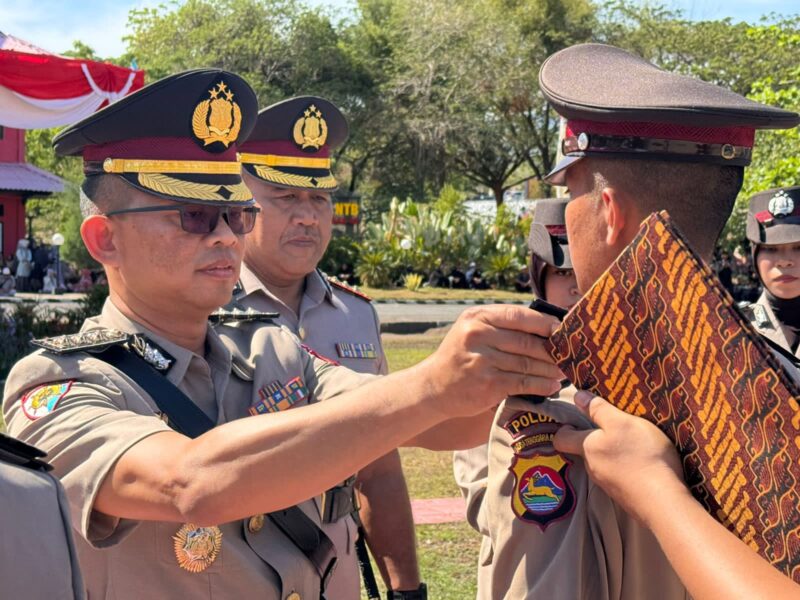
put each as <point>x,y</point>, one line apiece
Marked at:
<point>102,194</point>
<point>699,197</point>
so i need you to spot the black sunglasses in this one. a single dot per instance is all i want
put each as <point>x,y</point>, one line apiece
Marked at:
<point>202,219</point>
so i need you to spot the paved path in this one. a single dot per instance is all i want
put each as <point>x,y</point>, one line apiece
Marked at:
<point>438,510</point>
<point>429,313</point>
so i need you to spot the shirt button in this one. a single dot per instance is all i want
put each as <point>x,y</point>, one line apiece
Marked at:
<point>302,333</point>
<point>255,523</point>
<point>294,596</point>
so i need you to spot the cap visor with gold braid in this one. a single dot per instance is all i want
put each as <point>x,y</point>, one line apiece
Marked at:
<point>177,138</point>
<point>291,143</point>
<point>618,105</point>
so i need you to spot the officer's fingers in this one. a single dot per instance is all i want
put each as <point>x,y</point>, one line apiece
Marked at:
<point>523,365</point>
<point>570,440</point>
<point>597,409</point>
<point>518,318</point>
<point>515,384</point>
<point>516,342</point>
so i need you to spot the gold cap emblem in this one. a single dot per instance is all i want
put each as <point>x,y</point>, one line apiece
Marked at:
<point>310,130</point>
<point>197,547</point>
<point>219,118</point>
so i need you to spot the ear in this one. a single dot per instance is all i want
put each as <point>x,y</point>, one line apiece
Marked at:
<point>614,210</point>
<point>97,232</point>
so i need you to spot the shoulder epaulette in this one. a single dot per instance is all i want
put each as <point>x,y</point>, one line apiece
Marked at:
<point>94,339</point>
<point>236,314</point>
<point>343,286</point>
<point>19,453</point>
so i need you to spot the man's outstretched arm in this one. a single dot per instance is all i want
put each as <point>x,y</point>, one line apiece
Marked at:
<point>269,462</point>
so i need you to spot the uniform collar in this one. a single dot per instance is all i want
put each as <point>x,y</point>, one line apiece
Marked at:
<point>316,286</point>
<point>217,355</point>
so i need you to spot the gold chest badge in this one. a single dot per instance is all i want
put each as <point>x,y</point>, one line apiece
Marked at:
<point>310,130</point>
<point>197,547</point>
<point>218,118</point>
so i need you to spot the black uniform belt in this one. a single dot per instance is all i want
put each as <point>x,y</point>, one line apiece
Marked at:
<point>187,418</point>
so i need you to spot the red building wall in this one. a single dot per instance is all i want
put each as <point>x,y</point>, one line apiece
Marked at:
<point>12,213</point>
<point>12,145</point>
<point>12,222</point>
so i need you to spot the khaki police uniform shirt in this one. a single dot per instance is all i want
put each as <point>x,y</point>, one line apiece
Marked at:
<point>471,472</point>
<point>102,413</point>
<point>768,325</point>
<point>329,315</point>
<point>552,532</point>
<point>37,555</point>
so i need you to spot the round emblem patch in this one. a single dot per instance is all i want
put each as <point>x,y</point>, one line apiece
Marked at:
<point>43,400</point>
<point>197,547</point>
<point>781,205</point>
<point>541,489</point>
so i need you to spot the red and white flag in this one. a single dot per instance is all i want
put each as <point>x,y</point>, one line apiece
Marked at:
<point>39,89</point>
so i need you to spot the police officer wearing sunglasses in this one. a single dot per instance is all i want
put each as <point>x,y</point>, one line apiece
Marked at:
<point>195,460</point>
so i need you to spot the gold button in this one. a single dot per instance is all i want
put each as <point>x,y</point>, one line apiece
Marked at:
<point>302,333</point>
<point>294,596</point>
<point>255,523</point>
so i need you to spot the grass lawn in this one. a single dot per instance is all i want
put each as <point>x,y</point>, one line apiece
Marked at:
<point>448,552</point>
<point>444,294</point>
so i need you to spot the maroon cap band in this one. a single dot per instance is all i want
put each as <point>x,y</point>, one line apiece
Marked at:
<point>736,136</point>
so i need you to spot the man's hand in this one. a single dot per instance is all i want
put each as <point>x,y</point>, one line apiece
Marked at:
<point>490,353</point>
<point>630,458</point>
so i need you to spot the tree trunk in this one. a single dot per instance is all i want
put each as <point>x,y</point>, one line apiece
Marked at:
<point>498,193</point>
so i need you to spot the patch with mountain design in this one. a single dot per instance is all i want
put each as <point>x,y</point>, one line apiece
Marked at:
<point>542,490</point>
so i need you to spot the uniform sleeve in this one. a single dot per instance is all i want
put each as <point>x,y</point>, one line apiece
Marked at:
<point>382,363</point>
<point>471,471</point>
<point>85,431</point>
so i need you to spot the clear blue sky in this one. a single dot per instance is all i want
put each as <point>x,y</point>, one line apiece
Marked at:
<point>54,24</point>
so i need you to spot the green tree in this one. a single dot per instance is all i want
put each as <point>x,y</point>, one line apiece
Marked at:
<point>465,85</point>
<point>59,212</point>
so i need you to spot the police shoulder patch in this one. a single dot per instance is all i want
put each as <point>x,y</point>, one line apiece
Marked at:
<point>42,400</point>
<point>542,491</point>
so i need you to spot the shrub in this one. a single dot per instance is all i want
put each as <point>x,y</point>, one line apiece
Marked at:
<point>26,321</point>
<point>412,282</point>
<point>412,237</point>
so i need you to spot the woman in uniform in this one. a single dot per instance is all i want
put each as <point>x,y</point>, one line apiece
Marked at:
<point>773,227</point>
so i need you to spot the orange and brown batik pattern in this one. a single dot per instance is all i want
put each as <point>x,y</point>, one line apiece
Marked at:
<point>659,337</point>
